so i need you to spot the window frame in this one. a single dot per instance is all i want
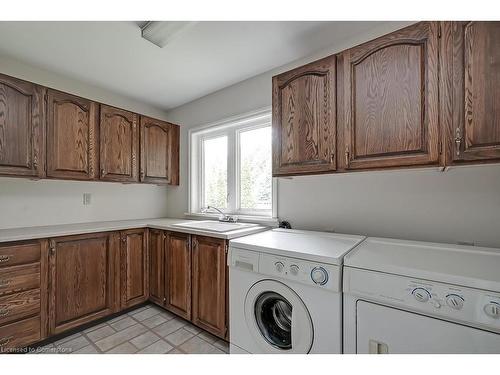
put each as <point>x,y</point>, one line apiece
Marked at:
<point>232,128</point>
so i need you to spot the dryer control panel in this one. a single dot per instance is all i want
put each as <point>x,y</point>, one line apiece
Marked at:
<point>468,305</point>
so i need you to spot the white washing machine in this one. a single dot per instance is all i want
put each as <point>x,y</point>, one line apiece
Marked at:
<point>417,297</point>
<point>285,291</point>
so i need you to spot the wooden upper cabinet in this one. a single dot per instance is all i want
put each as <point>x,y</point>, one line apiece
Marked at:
<point>178,274</point>
<point>159,152</point>
<point>82,279</point>
<point>304,119</point>
<point>156,266</point>
<point>134,267</point>
<point>72,134</point>
<point>471,91</point>
<point>209,284</point>
<point>22,128</point>
<point>119,145</point>
<point>388,100</point>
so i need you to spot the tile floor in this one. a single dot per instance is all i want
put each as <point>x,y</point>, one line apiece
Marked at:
<point>148,329</point>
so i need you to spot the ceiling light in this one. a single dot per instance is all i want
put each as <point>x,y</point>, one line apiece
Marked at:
<point>163,32</point>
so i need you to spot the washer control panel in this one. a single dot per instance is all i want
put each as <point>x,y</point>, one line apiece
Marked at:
<point>311,273</point>
<point>458,303</point>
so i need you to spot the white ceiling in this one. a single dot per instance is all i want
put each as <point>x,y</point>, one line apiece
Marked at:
<point>206,58</point>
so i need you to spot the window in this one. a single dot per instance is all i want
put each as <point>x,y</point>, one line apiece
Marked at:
<point>231,166</point>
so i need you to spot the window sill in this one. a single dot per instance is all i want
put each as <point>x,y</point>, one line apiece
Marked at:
<point>262,220</point>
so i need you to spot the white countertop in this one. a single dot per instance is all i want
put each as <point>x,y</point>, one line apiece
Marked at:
<point>315,246</point>
<point>29,233</point>
<point>471,266</point>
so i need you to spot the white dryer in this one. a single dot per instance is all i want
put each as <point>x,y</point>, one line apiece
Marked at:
<point>285,291</point>
<point>417,297</point>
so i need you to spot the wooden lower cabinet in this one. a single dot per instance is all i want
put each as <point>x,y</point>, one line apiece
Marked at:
<point>83,282</point>
<point>209,284</point>
<point>177,262</point>
<point>23,294</point>
<point>156,246</point>
<point>133,267</point>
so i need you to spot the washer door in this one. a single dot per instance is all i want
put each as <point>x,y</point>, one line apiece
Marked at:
<point>277,318</point>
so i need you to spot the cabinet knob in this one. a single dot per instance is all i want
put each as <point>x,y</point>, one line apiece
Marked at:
<point>4,283</point>
<point>142,174</point>
<point>4,312</point>
<point>103,172</point>
<point>5,340</point>
<point>346,156</point>
<point>4,258</point>
<point>458,140</point>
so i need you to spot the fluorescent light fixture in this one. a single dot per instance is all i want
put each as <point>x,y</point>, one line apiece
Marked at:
<point>163,32</point>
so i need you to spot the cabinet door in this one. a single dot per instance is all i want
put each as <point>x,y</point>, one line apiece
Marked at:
<point>134,268</point>
<point>71,137</point>
<point>156,266</point>
<point>304,121</point>
<point>82,279</point>
<point>388,100</point>
<point>158,151</point>
<point>209,284</point>
<point>119,144</point>
<point>178,274</point>
<point>22,128</point>
<point>472,54</point>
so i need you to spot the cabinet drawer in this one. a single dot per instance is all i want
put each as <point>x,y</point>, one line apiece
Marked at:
<point>19,305</point>
<point>12,255</point>
<point>19,278</point>
<point>19,334</point>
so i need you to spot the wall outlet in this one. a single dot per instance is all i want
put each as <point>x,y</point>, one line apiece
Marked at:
<point>87,199</point>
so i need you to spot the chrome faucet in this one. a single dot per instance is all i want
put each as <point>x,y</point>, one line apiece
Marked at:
<point>222,217</point>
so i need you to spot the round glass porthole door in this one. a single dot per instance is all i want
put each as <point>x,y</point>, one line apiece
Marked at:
<point>278,319</point>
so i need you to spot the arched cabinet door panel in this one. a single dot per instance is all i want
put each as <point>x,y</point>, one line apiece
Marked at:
<point>119,145</point>
<point>159,152</point>
<point>304,122</point>
<point>471,91</point>
<point>72,134</point>
<point>22,128</point>
<point>388,100</point>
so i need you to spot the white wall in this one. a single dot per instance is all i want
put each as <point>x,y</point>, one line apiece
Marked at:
<point>25,202</point>
<point>462,204</point>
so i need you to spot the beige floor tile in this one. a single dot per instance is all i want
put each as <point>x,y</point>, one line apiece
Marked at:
<point>159,347</point>
<point>100,333</point>
<point>73,345</point>
<point>175,351</point>
<point>120,337</point>
<point>167,315</point>
<point>222,345</point>
<point>154,321</point>
<point>169,327</point>
<point>97,326</point>
<point>208,337</point>
<point>125,348</point>
<point>68,338</point>
<point>143,315</point>
<point>197,345</point>
<point>122,324</point>
<point>147,338</point>
<point>89,349</point>
<point>178,337</point>
<point>193,329</point>
<point>117,319</point>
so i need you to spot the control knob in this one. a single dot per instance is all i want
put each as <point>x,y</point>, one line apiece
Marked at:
<point>492,309</point>
<point>455,301</point>
<point>279,266</point>
<point>294,269</point>
<point>421,294</point>
<point>319,275</point>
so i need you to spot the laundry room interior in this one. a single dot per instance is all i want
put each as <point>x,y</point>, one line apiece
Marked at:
<point>211,181</point>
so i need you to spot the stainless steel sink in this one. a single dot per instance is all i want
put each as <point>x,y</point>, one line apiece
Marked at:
<point>214,226</point>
